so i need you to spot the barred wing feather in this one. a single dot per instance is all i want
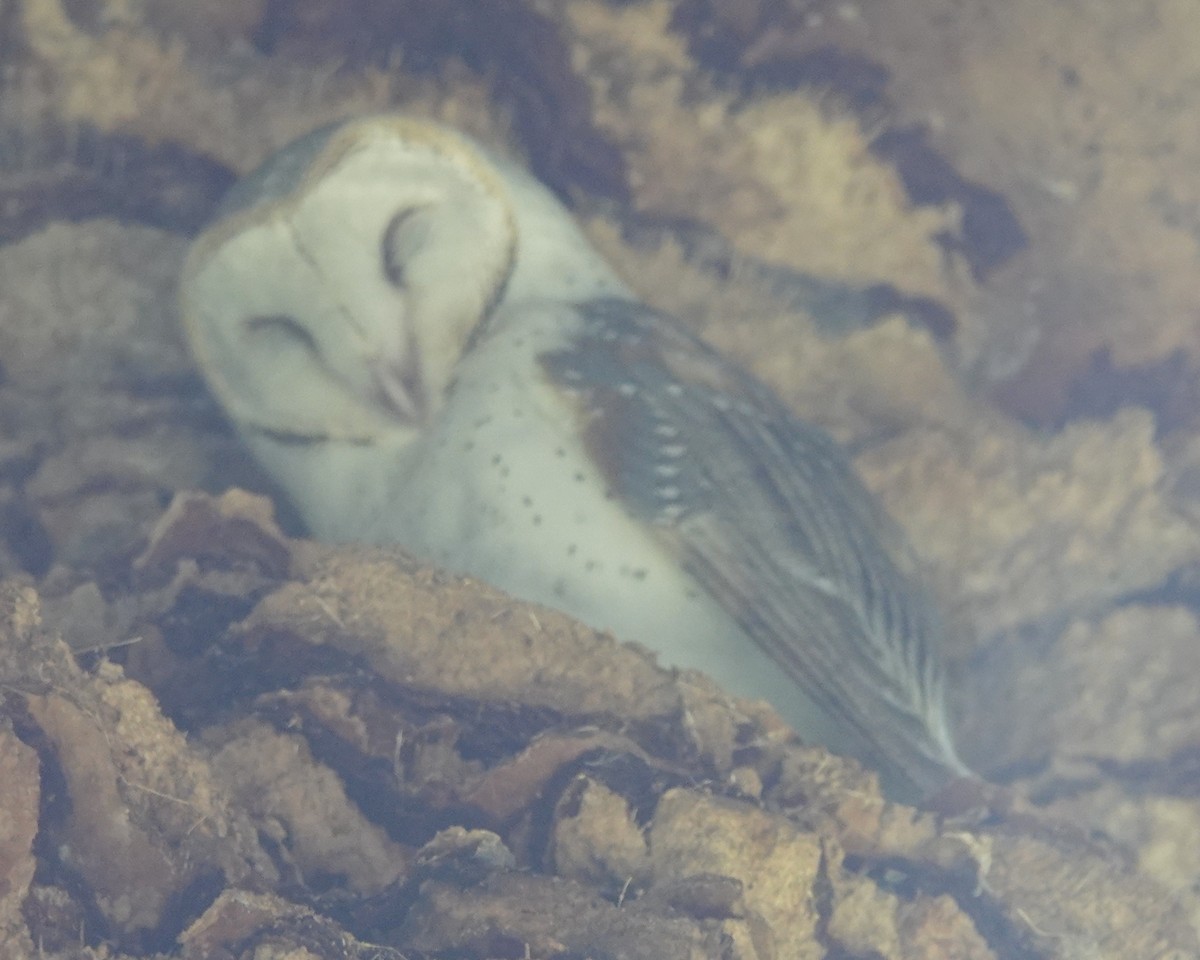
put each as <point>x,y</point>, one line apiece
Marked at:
<point>769,517</point>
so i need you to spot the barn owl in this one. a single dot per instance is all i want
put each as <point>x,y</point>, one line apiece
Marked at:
<point>416,340</point>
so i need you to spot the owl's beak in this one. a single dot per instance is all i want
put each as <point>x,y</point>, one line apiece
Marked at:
<point>401,388</point>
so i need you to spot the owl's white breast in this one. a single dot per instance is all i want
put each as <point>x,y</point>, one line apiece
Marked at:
<point>500,488</point>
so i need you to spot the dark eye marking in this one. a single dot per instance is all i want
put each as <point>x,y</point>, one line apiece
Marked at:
<point>282,326</point>
<point>404,235</point>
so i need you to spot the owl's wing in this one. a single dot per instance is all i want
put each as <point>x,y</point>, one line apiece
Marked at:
<point>769,517</point>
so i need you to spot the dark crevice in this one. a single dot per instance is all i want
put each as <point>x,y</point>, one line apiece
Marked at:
<point>1169,387</point>
<point>54,811</point>
<point>990,234</point>
<point>55,173</point>
<point>520,50</point>
<point>907,879</point>
<point>24,535</point>
<point>769,45</point>
<point>837,307</point>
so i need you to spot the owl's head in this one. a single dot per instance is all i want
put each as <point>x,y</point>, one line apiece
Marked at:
<point>342,281</point>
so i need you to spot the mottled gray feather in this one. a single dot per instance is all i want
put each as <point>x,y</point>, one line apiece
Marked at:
<point>768,515</point>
